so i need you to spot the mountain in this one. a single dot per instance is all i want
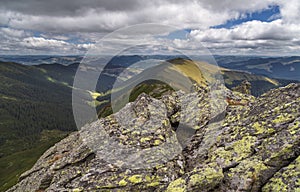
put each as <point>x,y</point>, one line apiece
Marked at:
<point>36,112</point>
<point>41,59</point>
<point>178,72</point>
<point>181,142</point>
<point>36,101</point>
<point>274,67</point>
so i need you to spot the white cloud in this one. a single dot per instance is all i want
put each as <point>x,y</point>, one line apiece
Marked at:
<point>12,33</point>
<point>87,21</point>
<point>40,42</point>
<point>190,15</point>
<point>290,11</point>
<point>251,30</point>
<point>255,36</point>
<point>103,16</point>
<point>55,36</point>
<point>86,46</point>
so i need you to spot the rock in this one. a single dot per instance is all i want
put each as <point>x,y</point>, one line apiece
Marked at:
<point>244,87</point>
<point>183,142</point>
<point>285,179</point>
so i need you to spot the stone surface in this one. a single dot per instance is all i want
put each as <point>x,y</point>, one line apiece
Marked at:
<point>244,87</point>
<point>184,142</point>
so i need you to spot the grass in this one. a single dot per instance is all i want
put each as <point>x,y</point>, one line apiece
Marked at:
<point>231,76</point>
<point>189,69</point>
<point>7,97</point>
<point>274,82</point>
<point>153,88</point>
<point>95,95</point>
<point>51,79</point>
<point>12,166</point>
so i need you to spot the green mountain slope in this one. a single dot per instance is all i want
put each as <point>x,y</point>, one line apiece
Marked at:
<point>177,72</point>
<point>35,112</point>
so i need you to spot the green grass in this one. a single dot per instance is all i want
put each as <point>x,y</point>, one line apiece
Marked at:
<point>12,166</point>
<point>153,88</point>
<point>35,112</point>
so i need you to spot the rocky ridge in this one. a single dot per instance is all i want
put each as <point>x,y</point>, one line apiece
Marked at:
<point>183,142</point>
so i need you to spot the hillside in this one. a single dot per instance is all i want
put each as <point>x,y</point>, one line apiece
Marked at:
<point>274,67</point>
<point>35,110</point>
<point>36,105</point>
<point>247,144</point>
<point>180,73</point>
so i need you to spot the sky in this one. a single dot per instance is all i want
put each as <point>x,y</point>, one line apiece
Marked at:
<point>236,27</point>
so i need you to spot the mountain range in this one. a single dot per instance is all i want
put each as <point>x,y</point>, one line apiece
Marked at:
<point>275,67</point>
<point>36,100</point>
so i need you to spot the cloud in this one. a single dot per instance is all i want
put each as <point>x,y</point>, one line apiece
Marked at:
<point>237,5</point>
<point>68,8</point>
<point>20,42</point>
<point>252,35</point>
<point>74,26</point>
<point>40,42</point>
<point>12,33</point>
<point>290,11</point>
<point>86,46</point>
<point>251,30</point>
<point>99,16</point>
<point>104,16</point>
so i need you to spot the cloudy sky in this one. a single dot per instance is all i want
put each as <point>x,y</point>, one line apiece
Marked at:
<point>236,27</point>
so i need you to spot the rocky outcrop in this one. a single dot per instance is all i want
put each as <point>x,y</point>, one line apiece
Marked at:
<point>184,142</point>
<point>244,87</point>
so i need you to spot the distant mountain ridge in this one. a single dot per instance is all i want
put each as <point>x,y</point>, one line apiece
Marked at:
<point>174,70</point>
<point>274,67</point>
<point>287,67</point>
<point>41,59</point>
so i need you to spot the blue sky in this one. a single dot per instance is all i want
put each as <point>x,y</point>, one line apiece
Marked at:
<point>236,27</point>
<point>266,15</point>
